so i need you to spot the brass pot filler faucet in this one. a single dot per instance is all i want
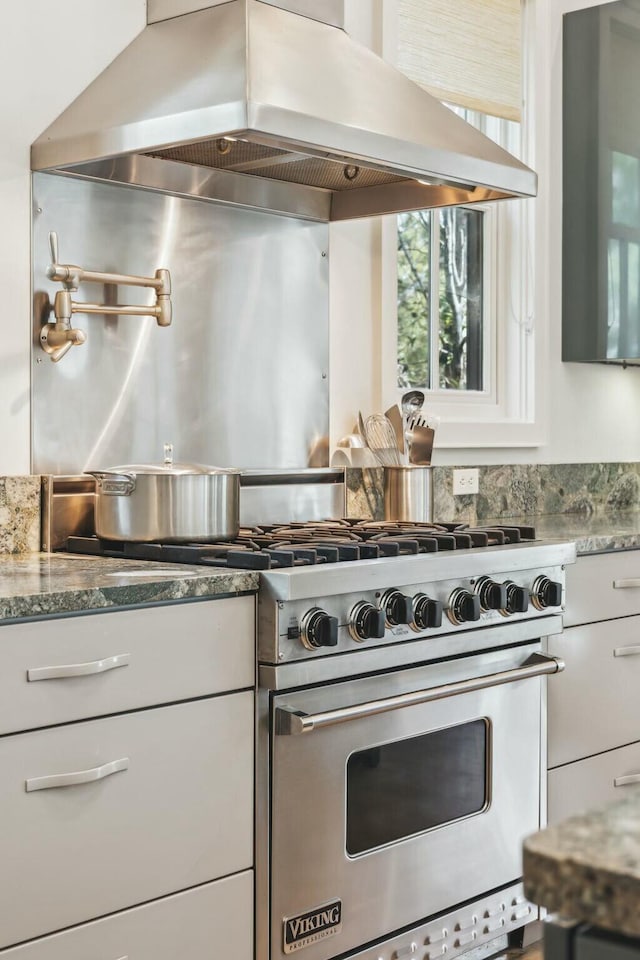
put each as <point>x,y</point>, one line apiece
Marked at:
<point>57,338</point>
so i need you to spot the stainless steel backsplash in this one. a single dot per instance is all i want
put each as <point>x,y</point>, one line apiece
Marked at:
<point>239,379</point>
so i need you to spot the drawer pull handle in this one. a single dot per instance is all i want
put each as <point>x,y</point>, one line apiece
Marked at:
<point>626,584</point>
<point>625,781</point>
<point>81,776</point>
<point>631,651</point>
<point>78,669</point>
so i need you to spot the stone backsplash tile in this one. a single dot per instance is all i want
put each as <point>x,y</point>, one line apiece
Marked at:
<point>512,490</point>
<point>19,514</point>
<point>571,488</point>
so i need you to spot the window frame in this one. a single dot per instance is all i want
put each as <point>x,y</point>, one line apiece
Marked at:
<point>503,414</point>
<point>511,412</point>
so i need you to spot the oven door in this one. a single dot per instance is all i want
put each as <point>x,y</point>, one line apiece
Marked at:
<point>398,796</point>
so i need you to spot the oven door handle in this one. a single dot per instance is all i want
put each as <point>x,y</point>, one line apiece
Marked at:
<point>292,722</point>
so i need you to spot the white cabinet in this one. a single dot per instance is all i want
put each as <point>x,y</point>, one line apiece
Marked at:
<point>594,707</point>
<point>209,922</point>
<point>592,782</point>
<point>594,704</point>
<point>53,671</point>
<point>602,587</point>
<point>138,803</point>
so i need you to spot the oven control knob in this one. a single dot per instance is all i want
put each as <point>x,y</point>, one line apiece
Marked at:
<point>367,622</point>
<point>546,593</point>
<point>493,595</point>
<point>397,607</point>
<point>426,612</point>
<point>517,598</point>
<point>318,629</point>
<point>463,606</point>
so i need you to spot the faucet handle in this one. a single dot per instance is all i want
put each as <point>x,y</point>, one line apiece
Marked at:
<point>56,339</point>
<point>74,338</point>
<point>66,274</point>
<point>53,246</point>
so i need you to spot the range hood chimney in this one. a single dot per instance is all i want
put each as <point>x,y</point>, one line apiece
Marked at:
<point>261,103</point>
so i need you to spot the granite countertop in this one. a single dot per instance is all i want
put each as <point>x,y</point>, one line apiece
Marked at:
<point>587,868</point>
<point>600,532</point>
<point>42,585</point>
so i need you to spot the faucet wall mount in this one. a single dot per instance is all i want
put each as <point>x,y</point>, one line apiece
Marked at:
<point>57,338</point>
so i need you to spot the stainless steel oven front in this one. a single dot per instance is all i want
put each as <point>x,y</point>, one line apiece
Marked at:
<point>401,754</point>
<point>398,795</point>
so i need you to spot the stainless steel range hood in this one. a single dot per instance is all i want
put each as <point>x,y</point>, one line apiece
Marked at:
<point>254,102</point>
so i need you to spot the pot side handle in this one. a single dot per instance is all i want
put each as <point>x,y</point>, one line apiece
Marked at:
<point>115,484</point>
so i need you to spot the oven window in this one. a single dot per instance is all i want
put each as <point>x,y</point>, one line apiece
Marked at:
<point>399,789</point>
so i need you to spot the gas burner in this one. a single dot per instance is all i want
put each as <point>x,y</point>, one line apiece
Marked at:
<point>281,546</point>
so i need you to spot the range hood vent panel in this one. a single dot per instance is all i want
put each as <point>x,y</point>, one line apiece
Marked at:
<point>253,89</point>
<point>241,156</point>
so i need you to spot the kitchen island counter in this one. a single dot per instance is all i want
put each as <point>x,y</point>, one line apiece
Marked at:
<point>588,867</point>
<point>46,585</point>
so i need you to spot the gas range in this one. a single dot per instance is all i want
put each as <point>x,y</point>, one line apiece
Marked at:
<point>401,737</point>
<point>346,586</point>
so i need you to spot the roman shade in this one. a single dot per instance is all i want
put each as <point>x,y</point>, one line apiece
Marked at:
<point>467,53</point>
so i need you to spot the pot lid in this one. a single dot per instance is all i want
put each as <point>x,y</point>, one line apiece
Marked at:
<point>171,469</point>
<point>169,466</point>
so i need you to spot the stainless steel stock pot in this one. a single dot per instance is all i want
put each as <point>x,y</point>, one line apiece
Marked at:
<point>169,502</point>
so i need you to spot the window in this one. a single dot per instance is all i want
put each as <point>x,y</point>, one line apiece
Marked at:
<point>441,339</point>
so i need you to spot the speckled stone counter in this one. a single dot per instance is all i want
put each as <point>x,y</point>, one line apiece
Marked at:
<point>19,514</point>
<point>44,585</point>
<point>600,532</point>
<point>588,867</point>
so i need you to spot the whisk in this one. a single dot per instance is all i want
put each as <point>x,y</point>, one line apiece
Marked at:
<point>381,440</point>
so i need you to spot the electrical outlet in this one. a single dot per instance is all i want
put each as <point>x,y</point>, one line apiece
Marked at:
<point>465,481</point>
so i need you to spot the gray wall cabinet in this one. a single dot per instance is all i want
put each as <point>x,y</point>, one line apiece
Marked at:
<point>601,184</point>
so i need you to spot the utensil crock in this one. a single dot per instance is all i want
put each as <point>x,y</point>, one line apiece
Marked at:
<point>408,493</point>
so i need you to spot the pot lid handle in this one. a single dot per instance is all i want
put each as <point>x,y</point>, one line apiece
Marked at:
<point>168,454</point>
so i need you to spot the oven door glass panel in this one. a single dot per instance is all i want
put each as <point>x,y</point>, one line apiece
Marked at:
<point>400,789</point>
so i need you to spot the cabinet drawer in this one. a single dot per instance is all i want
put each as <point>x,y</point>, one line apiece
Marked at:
<point>591,783</point>
<point>603,587</point>
<point>174,809</point>
<point>594,704</point>
<point>53,671</point>
<point>215,920</point>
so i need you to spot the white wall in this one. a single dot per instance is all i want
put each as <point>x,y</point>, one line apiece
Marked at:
<point>48,53</point>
